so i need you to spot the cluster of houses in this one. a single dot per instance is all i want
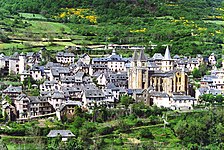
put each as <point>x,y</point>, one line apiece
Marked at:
<point>69,83</point>
<point>212,84</point>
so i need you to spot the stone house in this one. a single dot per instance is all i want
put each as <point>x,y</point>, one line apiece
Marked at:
<point>65,58</point>
<point>64,134</point>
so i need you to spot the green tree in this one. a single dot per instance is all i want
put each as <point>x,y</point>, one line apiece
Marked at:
<point>126,100</point>
<point>8,99</point>
<point>196,73</point>
<point>219,98</point>
<point>207,98</point>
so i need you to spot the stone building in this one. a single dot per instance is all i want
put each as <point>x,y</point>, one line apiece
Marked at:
<point>138,73</point>
<point>166,79</point>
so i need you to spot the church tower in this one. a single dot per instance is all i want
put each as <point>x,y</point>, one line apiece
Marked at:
<point>22,59</point>
<point>138,74</point>
<point>167,62</point>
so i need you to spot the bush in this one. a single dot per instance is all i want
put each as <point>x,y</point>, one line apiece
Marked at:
<point>154,120</point>
<point>118,141</point>
<point>123,126</point>
<point>139,123</point>
<point>78,122</point>
<point>105,130</point>
<point>145,133</point>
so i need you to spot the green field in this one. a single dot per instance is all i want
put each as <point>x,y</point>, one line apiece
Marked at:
<point>11,46</point>
<point>219,22</point>
<point>31,16</point>
<point>46,27</point>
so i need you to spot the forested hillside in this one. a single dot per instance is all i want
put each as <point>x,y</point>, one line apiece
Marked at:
<point>110,9</point>
<point>189,26</point>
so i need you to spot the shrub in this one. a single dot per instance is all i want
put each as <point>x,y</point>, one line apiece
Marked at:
<point>78,122</point>
<point>105,130</point>
<point>123,126</point>
<point>145,133</point>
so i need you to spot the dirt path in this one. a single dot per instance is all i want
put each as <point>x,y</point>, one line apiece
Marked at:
<point>134,140</point>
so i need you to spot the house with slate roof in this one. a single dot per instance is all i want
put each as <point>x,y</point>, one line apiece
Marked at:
<point>39,106</point>
<point>22,106</point>
<point>67,109</point>
<point>114,62</point>
<point>64,134</point>
<point>57,99</point>
<point>93,97</point>
<point>8,111</point>
<point>12,92</point>
<point>65,58</point>
<point>182,102</point>
<point>85,58</point>
<point>50,85</point>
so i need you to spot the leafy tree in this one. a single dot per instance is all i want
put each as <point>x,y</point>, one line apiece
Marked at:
<point>207,98</point>
<point>219,98</point>
<point>203,69</point>
<point>78,122</point>
<point>196,73</point>
<point>8,99</point>
<point>126,100</point>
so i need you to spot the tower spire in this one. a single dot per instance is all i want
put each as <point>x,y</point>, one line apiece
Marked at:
<point>113,52</point>
<point>142,56</point>
<point>167,54</point>
<point>135,56</point>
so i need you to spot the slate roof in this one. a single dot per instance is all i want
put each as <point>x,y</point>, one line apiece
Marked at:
<point>142,56</point>
<point>159,94</point>
<point>13,89</point>
<point>62,54</point>
<point>108,92</point>
<point>63,133</point>
<point>37,99</point>
<point>209,78</point>
<point>203,90</point>
<point>71,103</point>
<point>94,93</point>
<point>111,86</point>
<point>50,82</point>
<point>30,54</point>
<point>182,97</point>
<point>83,55</point>
<point>118,76</point>
<point>135,56</point>
<point>72,89</point>
<point>68,79</point>
<point>19,97</point>
<point>138,91</point>
<point>157,56</point>
<point>214,91</point>
<point>193,61</point>
<point>167,54</point>
<point>56,71</point>
<point>89,87</point>
<point>58,94</point>
<point>99,66</point>
<point>51,64</point>
<point>176,57</point>
<point>79,74</point>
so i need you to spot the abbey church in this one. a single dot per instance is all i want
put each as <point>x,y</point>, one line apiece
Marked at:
<point>158,75</point>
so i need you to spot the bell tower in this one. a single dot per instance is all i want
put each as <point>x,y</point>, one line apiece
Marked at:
<point>138,74</point>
